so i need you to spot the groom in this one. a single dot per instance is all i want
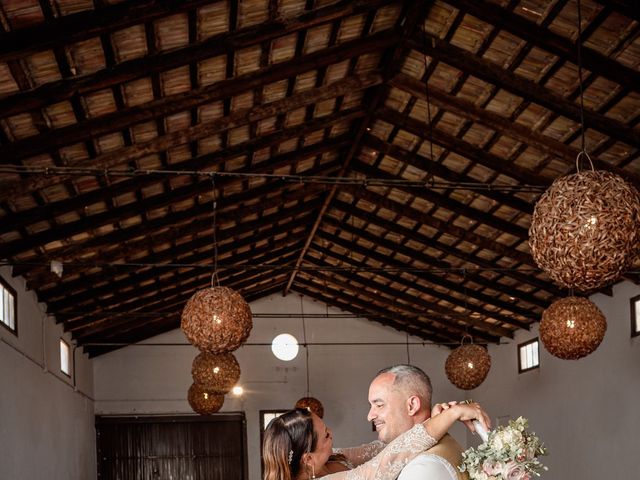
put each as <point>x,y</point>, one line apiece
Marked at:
<point>400,397</point>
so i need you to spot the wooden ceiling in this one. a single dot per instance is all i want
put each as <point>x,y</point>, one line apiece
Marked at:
<point>381,156</point>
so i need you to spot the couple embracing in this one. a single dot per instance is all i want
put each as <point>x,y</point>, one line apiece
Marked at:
<point>412,444</point>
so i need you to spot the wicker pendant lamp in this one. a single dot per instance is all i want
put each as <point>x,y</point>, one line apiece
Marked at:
<point>585,229</point>
<point>572,328</point>
<point>216,319</point>
<point>203,401</point>
<point>216,373</point>
<point>468,365</point>
<point>312,404</point>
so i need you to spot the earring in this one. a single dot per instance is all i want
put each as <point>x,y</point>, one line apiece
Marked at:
<point>313,471</point>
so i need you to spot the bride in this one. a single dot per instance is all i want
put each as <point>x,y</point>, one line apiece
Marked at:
<point>297,446</point>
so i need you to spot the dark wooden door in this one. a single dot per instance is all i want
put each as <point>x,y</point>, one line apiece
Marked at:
<point>172,448</point>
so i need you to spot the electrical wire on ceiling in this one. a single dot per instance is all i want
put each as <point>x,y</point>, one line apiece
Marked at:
<point>273,266</point>
<point>299,179</point>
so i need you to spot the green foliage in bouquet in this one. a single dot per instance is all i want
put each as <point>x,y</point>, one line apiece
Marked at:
<point>510,453</point>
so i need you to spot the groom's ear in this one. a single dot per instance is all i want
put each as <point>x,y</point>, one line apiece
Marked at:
<point>413,405</point>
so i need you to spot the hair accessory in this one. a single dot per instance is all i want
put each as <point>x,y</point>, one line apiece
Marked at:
<point>290,456</point>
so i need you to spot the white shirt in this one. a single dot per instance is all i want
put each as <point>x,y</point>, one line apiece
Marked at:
<point>428,466</point>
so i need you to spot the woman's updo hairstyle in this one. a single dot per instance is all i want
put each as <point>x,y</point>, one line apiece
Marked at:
<point>286,439</point>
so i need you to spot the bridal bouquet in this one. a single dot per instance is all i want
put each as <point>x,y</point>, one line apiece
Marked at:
<point>509,453</point>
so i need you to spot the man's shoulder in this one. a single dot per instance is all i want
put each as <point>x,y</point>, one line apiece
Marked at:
<point>447,445</point>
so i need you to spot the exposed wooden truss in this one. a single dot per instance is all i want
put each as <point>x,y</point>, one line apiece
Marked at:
<point>118,122</point>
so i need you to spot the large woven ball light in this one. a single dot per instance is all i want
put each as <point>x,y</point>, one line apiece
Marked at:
<point>216,372</point>
<point>585,229</point>
<point>216,320</point>
<point>203,401</point>
<point>467,366</point>
<point>312,404</point>
<point>572,328</point>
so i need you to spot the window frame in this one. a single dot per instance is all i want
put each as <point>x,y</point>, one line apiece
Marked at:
<point>66,344</point>
<point>519,349</point>
<point>14,294</point>
<point>634,310</point>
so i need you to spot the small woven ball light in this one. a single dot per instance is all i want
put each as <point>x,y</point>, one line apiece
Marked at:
<point>312,404</point>
<point>585,229</point>
<point>467,366</point>
<point>216,372</point>
<point>572,328</point>
<point>203,401</point>
<point>216,320</point>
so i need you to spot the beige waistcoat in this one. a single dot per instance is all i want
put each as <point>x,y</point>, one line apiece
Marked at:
<point>451,451</point>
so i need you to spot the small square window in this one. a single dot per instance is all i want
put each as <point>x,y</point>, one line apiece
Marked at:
<point>8,307</point>
<point>65,362</point>
<point>635,316</point>
<point>528,358</point>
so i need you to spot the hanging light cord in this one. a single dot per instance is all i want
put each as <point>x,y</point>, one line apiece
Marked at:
<point>306,345</point>
<point>426,87</point>
<point>582,133</point>
<point>215,239</point>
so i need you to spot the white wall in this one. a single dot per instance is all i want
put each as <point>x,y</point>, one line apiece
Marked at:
<point>586,411</point>
<point>156,379</point>
<point>46,423</point>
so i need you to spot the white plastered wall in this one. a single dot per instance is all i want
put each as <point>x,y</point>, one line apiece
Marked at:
<point>586,411</point>
<point>46,422</point>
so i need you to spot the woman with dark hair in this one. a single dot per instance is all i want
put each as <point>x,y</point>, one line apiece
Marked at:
<point>298,446</point>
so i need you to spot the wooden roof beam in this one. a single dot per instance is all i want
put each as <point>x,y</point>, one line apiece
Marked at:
<point>87,330</point>
<point>118,214</point>
<point>446,227</point>
<point>369,311</point>
<point>189,253</point>
<point>446,249</point>
<point>68,29</point>
<point>113,122</point>
<point>522,87</point>
<point>434,262</point>
<point>187,135</point>
<point>413,15</point>
<point>299,212</point>
<point>24,218</point>
<point>181,285</point>
<point>505,126</point>
<point>96,349</point>
<point>172,302</point>
<point>444,201</point>
<point>439,170</point>
<point>418,300</point>
<point>428,278</point>
<point>372,298</point>
<point>550,41</point>
<point>106,326</point>
<point>459,146</point>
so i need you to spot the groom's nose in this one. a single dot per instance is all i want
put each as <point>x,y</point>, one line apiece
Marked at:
<point>370,416</point>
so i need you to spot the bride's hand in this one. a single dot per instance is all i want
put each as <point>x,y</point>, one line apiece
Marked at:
<point>468,412</point>
<point>438,408</point>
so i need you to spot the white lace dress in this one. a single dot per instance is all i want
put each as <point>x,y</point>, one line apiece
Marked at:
<point>379,462</point>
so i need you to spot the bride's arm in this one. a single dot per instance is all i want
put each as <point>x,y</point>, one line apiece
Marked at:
<point>358,455</point>
<point>389,463</point>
